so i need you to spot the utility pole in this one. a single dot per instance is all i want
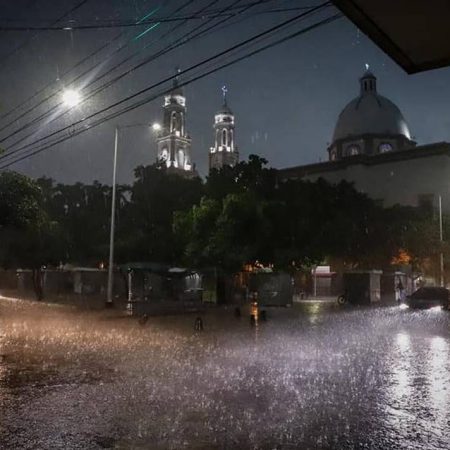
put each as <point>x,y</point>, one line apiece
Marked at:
<point>109,293</point>
<point>109,298</point>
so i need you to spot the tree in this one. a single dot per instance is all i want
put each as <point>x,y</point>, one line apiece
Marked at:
<point>83,212</point>
<point>26,231</point>
<point>147,231</point>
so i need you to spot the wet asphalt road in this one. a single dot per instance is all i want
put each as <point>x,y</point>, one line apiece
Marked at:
<point>311,377</point>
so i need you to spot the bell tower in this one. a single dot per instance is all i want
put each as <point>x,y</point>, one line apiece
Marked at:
<point>173,141</point>
<point>224,152</point>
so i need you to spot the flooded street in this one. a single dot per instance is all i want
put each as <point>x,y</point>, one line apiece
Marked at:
<point>311,377</point>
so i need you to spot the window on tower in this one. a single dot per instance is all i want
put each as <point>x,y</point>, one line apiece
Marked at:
<point>385,147</point>
<point>164,156</point>
<point>224,137</point>
<point>353,150</point>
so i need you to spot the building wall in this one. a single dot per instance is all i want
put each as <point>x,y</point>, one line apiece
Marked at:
<point>409,180</point>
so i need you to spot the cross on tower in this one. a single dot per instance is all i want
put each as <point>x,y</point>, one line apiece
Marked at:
<point>224,93</point>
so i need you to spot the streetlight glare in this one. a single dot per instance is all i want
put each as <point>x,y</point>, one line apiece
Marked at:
<point>71,97</point>
<point>156,126</point>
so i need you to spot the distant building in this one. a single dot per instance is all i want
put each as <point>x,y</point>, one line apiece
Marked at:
<point>372,148</point>
<point>173,141</point>
<point>224,152</point>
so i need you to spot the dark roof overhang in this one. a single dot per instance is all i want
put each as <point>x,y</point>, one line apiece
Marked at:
<point>414,33</point>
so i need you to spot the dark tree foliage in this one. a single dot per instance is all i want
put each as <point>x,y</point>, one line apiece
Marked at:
<point>146,232</point>
<point>240,215</point>
<point>29,238</point>
<point>247,215</point>
<point>83,213</point>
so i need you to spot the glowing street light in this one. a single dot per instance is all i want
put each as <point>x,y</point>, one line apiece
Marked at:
<point>156,126</point>
<point>71,97</point>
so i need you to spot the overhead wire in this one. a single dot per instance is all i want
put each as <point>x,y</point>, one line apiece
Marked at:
<point>195,66</point>
<point>50,111</point>
<point>112,24</point>
<point>68,71</point>
<point>25,43</point>
<point>198,32</point>
<point>242,44</point>
<point>153,97</point>
<point>77,78</point>
<point>86,72</point>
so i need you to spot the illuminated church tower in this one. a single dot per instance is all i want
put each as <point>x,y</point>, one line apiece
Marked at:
<point>173,141</point>
<point>224,152</point>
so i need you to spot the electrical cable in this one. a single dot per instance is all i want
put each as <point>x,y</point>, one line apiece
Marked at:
<point>177,43</point>
<point>147,100</point>
<point>25,43</point>
<point>91,55</point>
<point>79,63</point>
<point>220,54</point>
<point>97,26</point>
<point>152,87</point>
<point>283,24</point>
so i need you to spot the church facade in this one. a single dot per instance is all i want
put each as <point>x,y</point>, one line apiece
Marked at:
<point>173,140</point>
<point>372,148</point>
<point>224,152</point>
<point>174,143</point>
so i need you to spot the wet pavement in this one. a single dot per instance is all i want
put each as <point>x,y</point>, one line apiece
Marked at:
<point>311,377</point>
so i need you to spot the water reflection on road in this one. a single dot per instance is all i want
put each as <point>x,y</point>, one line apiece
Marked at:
<point>316,377</point>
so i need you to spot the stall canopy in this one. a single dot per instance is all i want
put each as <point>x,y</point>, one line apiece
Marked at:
<point>157,268</point>
<point>415,33</point>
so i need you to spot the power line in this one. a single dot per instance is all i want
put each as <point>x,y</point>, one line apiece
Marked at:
<point>153,97</point>
<point>240,45</point>
<point>283,24</point>
<point>177,43</point>
<point>112,24</point>
<point>98,78</point>
<point>91,55</point>
<point>25,43</point>
<point>78,77</point>
<point>79,63</point>
<point>190,69</point>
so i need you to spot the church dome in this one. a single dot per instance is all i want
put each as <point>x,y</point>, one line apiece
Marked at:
<point>370,114</point>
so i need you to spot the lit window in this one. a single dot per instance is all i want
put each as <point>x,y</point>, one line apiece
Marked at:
<point>353,150</point>
<point>385,147</point>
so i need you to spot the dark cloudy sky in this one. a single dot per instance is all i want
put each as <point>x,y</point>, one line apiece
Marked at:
<point>285,100</point>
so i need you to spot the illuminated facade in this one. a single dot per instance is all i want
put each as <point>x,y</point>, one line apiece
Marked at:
<point>173,141</point>
<point>224,152</point>
<point>370,124</point>
<point>372,148</point>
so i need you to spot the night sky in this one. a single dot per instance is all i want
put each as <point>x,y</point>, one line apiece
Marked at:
<point>285,100</point>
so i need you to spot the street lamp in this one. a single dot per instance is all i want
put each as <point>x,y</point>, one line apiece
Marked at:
<point>71,97</point>
<point>156,127</point>
<point>109,293</point>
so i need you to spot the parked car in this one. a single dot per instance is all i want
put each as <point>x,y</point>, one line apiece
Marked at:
<point>429,297</point>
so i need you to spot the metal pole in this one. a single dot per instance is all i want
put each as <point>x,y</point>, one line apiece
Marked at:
<point>315,281</point>
<point>109,299</point>
<point>441,237</point>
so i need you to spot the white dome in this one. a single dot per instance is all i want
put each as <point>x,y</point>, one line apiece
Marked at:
<point>370,113</point>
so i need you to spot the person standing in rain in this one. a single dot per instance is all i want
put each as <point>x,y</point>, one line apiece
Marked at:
<point>401,292</point>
